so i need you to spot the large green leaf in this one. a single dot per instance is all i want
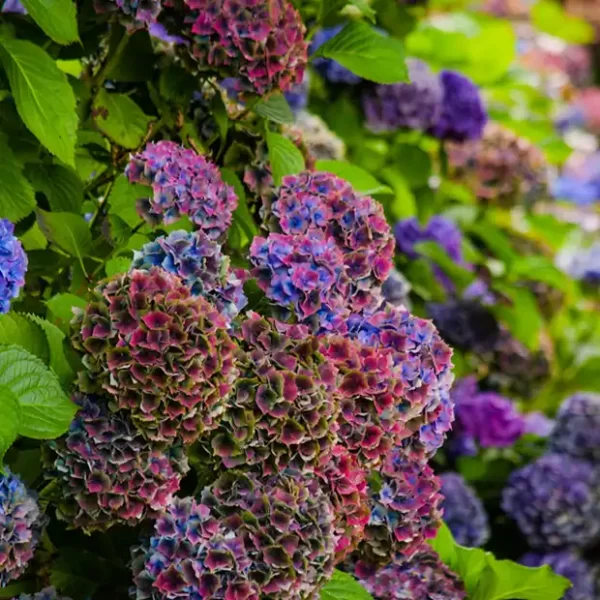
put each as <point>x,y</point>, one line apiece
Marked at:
<point>343,586</point>
<point>276,108</point>
<point>10,423</point>
<point>243,228</point>
<point>550,17</point>
<point>46,411</point>
<point>67,230</point>
<point>367,53</point>
<point>61,306</point>
<point>487,578</point>
<point>58,18</point>
<point>17,198</point>
<point>284,157</point>
<point>118,265</point>
<point>18,329</point>
<point>45,100</point>
<point>361,180</point>
<point>123,198</point>
<point>121,119</point>
<point>61,186</point>
<point>460,276</point>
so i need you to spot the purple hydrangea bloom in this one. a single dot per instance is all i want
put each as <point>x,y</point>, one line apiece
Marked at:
<point>574,190</point>
<point>414,105</point>
<point>396,289</point>
<point>463,116</point>
<point>184,183</point>
<point>20,527</point>
<point>158,30</point>
<point>48,593</point>
<point>463,511</point>
<point>571,566</point>
<point>537,423</point>
<point>423,577</point>
<point>577,429</point>
<point>405,509</point>
<point>108,473</point>
<point>304,273</point>
<point>585,265</point>
<point>202,266</point>
<point>13,265</point>
<point>490,420</point>
<point>297,95</point>
<point>13,6</point>
<point>555,501</point>
<point>328,68</point>
<point>138,13</point>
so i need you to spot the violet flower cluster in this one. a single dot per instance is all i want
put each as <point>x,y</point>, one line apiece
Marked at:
<point>13,265</point>
<point>183,184</point>
<point>48,593</point>
<point>20,526</point>
<point>463,511</point>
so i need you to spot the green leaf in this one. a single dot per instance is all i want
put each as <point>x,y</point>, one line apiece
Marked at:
<point>46,411</point>
<point>10,422</point>
<point>219,112</point>
<point>413,163</point>
<point>123,198</point>
<point>243,227</point>
<point>550,17</point>
<point>68,231</point>
<point>61,306</point>
<point>17,198</point>
<point>18,329</point>
<point>367,53</point>
<point>118,265</point>
<point>495,240</point>
<point>343,586</point>
<point>365,9</point>
<point>61,186</point>
<point>276,108</point>
<point>121,119</point>
<point>487,578</point>
<point>460,276</point>
<point>284,157</point>
<point>540,268</point>
<point>45,100</point>
<point>358,178</point>
<point>57,18</point>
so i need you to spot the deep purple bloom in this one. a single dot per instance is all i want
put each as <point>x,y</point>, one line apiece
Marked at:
<point>577,429</point>
<point>184,184</point>
<point>490,420</point>
<point>537,423</point>
<point>423,577</point>
<point>555,501</point>
<point>20,527</point>
<point>463,511</point>
<point>13,6</point>
<point>438,229</point>
<point>566,563</point>
<point>202,266</point>
<point>414,105</point>
<point>463,115</point>
<point>327,67</point>
<point>13,265</point>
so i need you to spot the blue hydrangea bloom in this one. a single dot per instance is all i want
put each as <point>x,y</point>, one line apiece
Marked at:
<point>328,68</point>
<point>13,265</point>
<point>555,501</point>
<point>575,190</point>
<point>13,6</point>
<point>297,95</point>
<point>577,428</point>
<point>198,260</point>
<point>571,566</point>
<point>585,265</point>
<point>463,511</point>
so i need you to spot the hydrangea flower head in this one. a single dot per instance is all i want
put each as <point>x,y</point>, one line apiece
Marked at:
<point>424,363</point>
<point>163,354</point>
<point>321,142</point>
<point>486,418</point>
<point>463,511</point>
<point>396,290</point>
<point>571,566</point>
<point>13,6</point>
<point>328,68</point>
<point>138,13</point>
<point>48,593</point>
<point>555,501</point>
<point>297,95</point>
<point>202,266</point>
<point>13,265</point>
<point>463,116</point>
<point>501,167</point>
<point>345,481</point>
<point>585,265</point>
<point>405,509</point>
<point>414,105</point>
<point>184,184</point>
<point>423,577</point>
<point>576,432</point>
<point>286,522</point>
<point>281,413</point>
<point>20,527</point>
<point>326,203</point>
<point>579,181</point>
<point>108,472</point>
<point>303,273</point>
<point>260,42</point>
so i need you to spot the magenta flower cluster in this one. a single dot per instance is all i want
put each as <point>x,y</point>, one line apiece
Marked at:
<point>183,184</point>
